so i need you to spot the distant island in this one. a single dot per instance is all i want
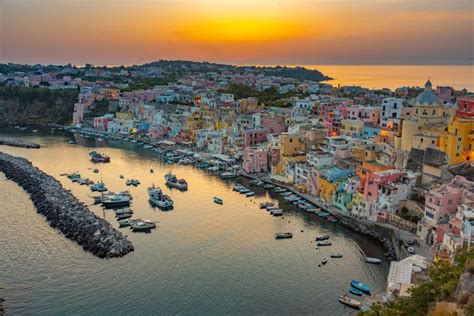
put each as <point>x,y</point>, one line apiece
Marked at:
<point>180,67</point>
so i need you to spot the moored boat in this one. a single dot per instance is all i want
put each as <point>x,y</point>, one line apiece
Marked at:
<point>116,201</point>
<point>355,291</point>
<point>346,300</point>
<point>98,187</point>
<point>373,260</point>
<point>174,182</point>
<point>218,200</point>
<point>98,157</point>
<point>283,235</point>
<point>324,243</point>
<point>228,175</point>
<point>322,237</point>
<point>336,255</point>
<point>157,198</point>
<point>266,204</point>
<point>360,286</point>
<point>324,261</point>
<point>139,226</point>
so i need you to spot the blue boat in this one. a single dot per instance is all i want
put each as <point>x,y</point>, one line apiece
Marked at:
<point>323,214</point>
<point>218,200</point>
<point>360,286</point>
<point>356,291</point>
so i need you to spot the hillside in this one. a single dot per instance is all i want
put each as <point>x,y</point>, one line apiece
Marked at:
<point>19,105</point>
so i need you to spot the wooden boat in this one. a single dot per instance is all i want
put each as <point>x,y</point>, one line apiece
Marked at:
<point>360,286</point>
<point>324,243</point>
<point>346,300</point>
<point>373,260</point>
<point>322,237</point>
<point>283,235</point>
<point>355,291</point>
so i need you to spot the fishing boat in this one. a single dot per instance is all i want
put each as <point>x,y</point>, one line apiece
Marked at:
<point>124,215</point>
<point>346,300</point>
<point>355,291</point>
<point>266,204</point>
<point>98,187</point>
<point>322,237</point>
<point>277,212</point>
<point>324,261</point>
<point>324,243</point>
<point>360,286</point>
<point>98,157</point>
<point>336,255</point>
<point>283,235</point>
<point>74,175</point>
<point>228,175</point>
<point>174,182</point>
<point>373,260</point>
<point>116,201</point>
<point>218,200</point>
<point>123,210</point>
<point>127,222</point>
<point>140,226</point>
<point>157,198</point>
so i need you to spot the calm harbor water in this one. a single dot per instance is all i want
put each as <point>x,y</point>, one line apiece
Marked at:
<point>203,259</point>
<point>394,76</point>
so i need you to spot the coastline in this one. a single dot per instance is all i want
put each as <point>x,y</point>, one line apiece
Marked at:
<point>65,212</point>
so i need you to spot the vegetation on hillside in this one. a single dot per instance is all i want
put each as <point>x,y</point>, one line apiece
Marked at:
<point>269,97</point>
<point>441,286</point>
<point>20,105</point>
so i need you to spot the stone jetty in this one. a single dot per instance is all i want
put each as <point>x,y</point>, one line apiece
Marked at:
<point>18,143</point>
<point>63,211</point>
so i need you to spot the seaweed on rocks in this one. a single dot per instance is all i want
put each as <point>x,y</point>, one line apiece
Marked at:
<point>65,212</point>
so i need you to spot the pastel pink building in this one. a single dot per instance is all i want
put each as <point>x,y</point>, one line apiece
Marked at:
<point>371,189</point>
<point>253,137</point>
<point>102,122</point>
<point>158,132</point>
<point>443,201</point>
<point>78,114</point>
<point>255,160</point>
<point>368,114</point>
<point>275,125</point>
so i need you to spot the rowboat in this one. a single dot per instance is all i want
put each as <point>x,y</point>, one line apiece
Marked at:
<point>360,286</point>
<point>346,300</point>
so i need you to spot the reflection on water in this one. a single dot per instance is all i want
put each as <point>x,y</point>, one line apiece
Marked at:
<point>203,258</point>
<point>395,76</point>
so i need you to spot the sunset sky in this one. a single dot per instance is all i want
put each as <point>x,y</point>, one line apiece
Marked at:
<point>310,32</point>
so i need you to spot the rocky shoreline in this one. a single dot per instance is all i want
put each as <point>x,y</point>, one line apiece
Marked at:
<point>65,212</point>
<point>18,143</point>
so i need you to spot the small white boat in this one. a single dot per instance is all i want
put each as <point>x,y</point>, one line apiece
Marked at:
<point>283,235</point>
<point>324,261</point>
<point>336,255</point>
<point>346,300</point>
<point>248,194</point>
<point>373,260</point>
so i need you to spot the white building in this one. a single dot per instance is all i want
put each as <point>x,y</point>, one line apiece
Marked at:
<point>391,112</point>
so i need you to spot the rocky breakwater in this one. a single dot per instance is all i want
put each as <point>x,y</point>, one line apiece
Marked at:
<point>18,143</point>
<point>64,212</point>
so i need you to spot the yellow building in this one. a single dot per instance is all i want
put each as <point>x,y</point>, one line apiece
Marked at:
<point>291,145</point>
<point>123,116</point>
<point>204,117</point>
<point>326,189</point>
<point>353,128</point>
<point>426,124</point>
<point>458,140</point>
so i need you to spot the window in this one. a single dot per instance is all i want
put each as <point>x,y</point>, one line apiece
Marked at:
<point>459,139</point>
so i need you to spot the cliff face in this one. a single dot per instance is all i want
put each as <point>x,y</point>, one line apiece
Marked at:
<point>19,105</point>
